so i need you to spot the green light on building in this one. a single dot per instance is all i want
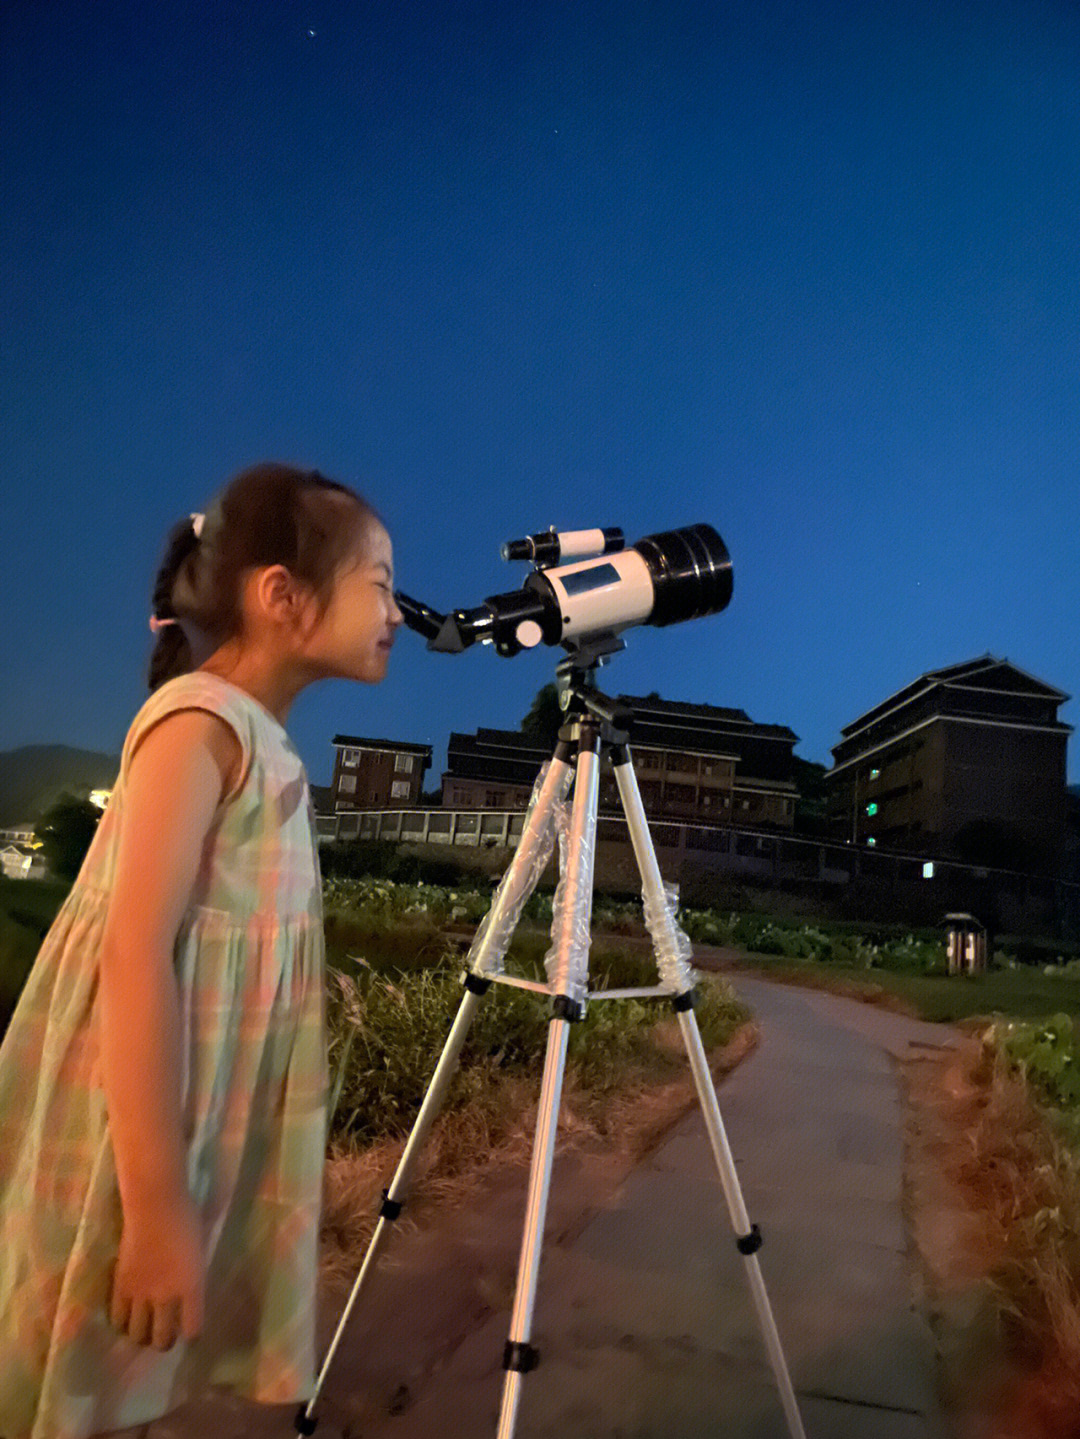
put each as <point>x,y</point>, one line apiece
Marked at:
<point>871,809</point>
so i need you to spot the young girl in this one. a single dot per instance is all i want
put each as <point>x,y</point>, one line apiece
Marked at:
<point>163,1081</point>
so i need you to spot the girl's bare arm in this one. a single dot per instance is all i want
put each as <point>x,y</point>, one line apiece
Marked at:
<point>176,780</point>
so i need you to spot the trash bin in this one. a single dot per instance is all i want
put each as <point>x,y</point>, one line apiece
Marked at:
<point>966,944</point>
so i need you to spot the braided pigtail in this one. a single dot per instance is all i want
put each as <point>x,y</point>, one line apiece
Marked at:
<point>172,653</point>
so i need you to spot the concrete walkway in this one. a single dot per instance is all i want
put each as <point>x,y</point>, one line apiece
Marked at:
<point>644,1319</point>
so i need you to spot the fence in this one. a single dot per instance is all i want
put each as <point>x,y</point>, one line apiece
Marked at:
<point>697,855</point>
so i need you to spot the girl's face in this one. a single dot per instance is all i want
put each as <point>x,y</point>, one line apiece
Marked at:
<point>354,637</point>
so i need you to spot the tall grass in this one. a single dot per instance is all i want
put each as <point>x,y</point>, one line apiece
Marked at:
<point>625,1080</point>
<point>1023,1177</point>
<point>387,1027</point>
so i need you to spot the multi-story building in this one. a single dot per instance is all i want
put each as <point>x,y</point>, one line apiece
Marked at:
<point>710,764</point>
<point>491,769</point>
<point>692,762</point>
<point>377,773</point>
<point>975,749</point>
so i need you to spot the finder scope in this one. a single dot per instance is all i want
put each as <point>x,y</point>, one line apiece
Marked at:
<point>663,579</point>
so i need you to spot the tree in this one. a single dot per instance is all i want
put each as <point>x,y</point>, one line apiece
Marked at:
<point>811,803</point>
<point>66,831</point>
<point>545,719</point>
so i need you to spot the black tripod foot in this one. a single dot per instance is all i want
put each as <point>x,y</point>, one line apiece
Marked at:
<point>303,1424</point>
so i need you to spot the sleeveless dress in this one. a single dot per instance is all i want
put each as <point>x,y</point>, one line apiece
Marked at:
<point>250,967</point>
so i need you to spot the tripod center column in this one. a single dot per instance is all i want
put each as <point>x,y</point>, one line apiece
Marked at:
<point>567,962</point>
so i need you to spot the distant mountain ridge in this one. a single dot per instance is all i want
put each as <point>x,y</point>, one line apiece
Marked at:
<point>34,777</point>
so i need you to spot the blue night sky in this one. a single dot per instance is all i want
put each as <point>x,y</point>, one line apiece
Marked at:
<point>807,272</point>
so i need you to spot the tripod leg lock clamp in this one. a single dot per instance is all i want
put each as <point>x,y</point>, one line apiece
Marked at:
<point>749,1243</point>
<point>683,1002</point>
<point>390,1208</point>
<point>303,1424</point>
<point>520,1357</point>
<point>563,1007</point>
<point>474,983</point>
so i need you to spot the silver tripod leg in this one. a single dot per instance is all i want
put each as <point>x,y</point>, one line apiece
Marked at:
<point>568,973</point>
<point>673,956</point>
<point>485,963</point>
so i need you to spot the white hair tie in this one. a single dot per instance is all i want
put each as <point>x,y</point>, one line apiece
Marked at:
<point>197,524</point>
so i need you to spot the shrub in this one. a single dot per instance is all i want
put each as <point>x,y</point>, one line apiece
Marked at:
<point>1047,1055</point>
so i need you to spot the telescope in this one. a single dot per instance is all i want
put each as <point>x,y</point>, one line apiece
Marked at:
<point>585,584</point>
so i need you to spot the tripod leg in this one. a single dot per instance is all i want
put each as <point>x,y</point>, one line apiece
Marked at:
<point>672,951</point>
<point>492,938</point>
<point>747,1236</point>
<point>568,973</point>
<point>519,1356</point>
<point>394,1196</point>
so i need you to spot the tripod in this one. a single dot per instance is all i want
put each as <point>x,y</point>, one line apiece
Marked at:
<point>592,720</point>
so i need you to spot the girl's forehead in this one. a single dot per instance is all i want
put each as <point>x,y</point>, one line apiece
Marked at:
<point>378,549</point>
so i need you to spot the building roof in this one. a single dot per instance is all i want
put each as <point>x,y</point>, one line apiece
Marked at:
<point>697,718</point>
<point>496,755</point>
<point>394,746</point>
<point>985,673</point>
<point>762,751</point>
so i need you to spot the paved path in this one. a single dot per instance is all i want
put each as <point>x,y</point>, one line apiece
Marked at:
<point>644,1320</point>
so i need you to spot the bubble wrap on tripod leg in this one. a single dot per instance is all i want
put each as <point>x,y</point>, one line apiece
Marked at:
<point>495,931</point>
<point>564,925</point>
<point>674,952</point>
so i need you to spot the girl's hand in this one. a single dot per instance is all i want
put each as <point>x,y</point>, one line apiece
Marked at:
<point>159,1280</point>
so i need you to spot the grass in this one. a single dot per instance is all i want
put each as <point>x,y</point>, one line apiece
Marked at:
<point>1022,1179</point>
<point>1025,992</point>
<point>626,1078</point>
<point>387,1026</point>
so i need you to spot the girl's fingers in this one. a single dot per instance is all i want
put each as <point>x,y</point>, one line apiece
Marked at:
<point>119,1311</point>
<point>140,1327</point>
<point>166,1318</point>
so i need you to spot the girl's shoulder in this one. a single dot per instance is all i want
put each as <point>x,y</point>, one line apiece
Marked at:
<point>199,690</point>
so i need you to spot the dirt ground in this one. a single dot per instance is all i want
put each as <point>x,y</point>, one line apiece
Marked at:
<point>988,1395</point>
<point>458,1251</point>
<point>455,1261</point>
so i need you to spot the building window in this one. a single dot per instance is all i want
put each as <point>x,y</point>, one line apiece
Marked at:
<point>350,757</point>
<point>347,784</point>
<point>494,798</point>
<point>682,763</point>
<point>744,804</point>
<point>403,763</point>
<point>399,789</point>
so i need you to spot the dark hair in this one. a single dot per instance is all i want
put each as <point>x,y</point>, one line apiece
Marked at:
<point>270,514</point>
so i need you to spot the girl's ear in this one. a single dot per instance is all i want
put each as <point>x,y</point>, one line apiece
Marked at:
<point>280,595</point>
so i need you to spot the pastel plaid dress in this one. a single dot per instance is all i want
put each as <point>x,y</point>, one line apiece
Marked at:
<point>250,967</point>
